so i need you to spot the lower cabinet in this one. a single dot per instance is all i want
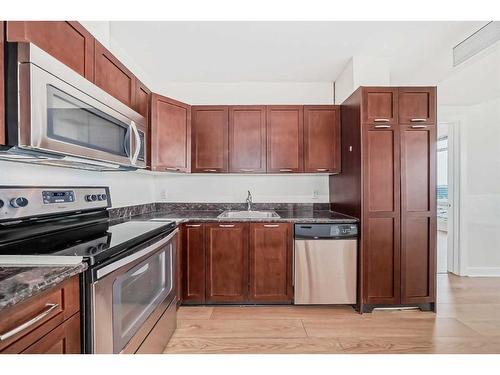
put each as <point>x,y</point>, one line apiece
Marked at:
<point>46,323</point>
<point>237,263</point>
<point>227,262</point>
<point>270,262</point>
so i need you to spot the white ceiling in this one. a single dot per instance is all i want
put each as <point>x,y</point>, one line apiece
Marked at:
<point>278,51</point>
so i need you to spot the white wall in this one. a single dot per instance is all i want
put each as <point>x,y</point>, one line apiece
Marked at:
<point>129,188</point>
<point>249,92</point>
<point>479,236</point>
<point>361,71</point>
<point>126,188</point>
<point>233,188</point>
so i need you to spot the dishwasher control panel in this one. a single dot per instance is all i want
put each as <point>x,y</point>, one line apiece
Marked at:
<point>326,231</point>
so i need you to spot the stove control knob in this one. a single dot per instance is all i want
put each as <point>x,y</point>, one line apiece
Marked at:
<point>18,202</point>
<point>1,203</point>
<point>91,197</point>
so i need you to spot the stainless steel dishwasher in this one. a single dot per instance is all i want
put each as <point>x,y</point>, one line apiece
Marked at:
<point>325,263</point>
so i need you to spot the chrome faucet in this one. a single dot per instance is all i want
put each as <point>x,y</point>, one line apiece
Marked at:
<point>249,201</point>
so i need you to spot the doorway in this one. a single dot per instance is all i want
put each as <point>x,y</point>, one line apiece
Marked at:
<point>447,198</point>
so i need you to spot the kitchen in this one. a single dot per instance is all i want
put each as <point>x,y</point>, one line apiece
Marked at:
<point>216,217</point>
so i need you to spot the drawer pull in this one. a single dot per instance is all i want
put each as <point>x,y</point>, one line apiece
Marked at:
<point>322,169</point>
<point>29,323</point>
<point>210,170</point>
<point>286,170</point>
<point>226,225</point>
<point>418,126</point>
<point>381,120</point>
<point>271,225</point>
<point>247,170</point>
<point>173,169</point>
<point>418,120</point>
<point>193,225</point>
<point>382,126</point>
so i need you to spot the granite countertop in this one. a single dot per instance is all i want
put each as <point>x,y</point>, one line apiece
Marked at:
<point>20,283</point>
<point>294,216</point>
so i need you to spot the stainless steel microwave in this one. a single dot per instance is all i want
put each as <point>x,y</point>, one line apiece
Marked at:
<point>55,116</point>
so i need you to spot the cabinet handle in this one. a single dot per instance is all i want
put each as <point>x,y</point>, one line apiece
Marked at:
<point>173,169</point>
<point>381,120</point>
<point>193,225</point>
<point>286,170</point>
<point>210,170</point>
<point>29,323</point>
<point>418,126</point>
<point>418,120</point>
<point>322,169</point>
<point>382,126</point>
<point>226,225</point>
<point>271,225</point>
<point>247,170</point>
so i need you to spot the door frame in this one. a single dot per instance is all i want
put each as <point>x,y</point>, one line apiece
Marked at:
<point>455,253</point>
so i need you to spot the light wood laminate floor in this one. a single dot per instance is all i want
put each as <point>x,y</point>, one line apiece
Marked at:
<point>467,321</point>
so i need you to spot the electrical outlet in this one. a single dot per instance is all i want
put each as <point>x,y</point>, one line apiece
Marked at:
<point>163,194</point>
<point>315,194</point>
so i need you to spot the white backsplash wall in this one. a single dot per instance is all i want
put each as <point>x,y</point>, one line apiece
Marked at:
<point>127,188</point>
<point>130,188</point>
<point>233,188</point>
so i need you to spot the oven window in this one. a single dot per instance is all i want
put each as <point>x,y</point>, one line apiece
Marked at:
<point>138,292</point>
<point>73,121</point>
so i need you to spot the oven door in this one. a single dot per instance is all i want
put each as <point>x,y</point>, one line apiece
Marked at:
<point>58,117</point>
<point>131,295</point>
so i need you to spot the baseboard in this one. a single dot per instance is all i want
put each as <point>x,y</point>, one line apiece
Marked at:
<point>483,271</point>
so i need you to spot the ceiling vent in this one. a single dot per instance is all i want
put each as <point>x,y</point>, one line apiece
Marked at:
<point>480,40</point>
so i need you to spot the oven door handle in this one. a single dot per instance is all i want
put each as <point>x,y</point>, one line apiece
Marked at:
<point>100,273</point>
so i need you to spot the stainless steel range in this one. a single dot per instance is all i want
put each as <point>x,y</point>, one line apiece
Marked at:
<point>128,291</point>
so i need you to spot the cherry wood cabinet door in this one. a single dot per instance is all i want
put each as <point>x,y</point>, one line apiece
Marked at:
<point>209,134</point>
<point>379,105</point>
<point>64,339</point>
<point>418,213</point>
<point>270,262</point>
<point>2,103</point>
<point>417,105</point>
<point>67,41</point>
<point>193,259</point>
<point>113,77</point>
<point>322,139</point>
<point>227,262</point>
<point>142,99</point>
<point>381,214</point>
<point>285,139</point>
<point>247,139</point>
<point>170,135</point>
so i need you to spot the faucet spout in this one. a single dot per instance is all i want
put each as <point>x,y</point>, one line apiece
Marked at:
<point>249,201</point>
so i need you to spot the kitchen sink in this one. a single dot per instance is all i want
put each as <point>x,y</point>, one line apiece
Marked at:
<point>248,215</point>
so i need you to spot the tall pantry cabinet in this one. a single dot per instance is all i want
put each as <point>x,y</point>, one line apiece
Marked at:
<point>388,181</point>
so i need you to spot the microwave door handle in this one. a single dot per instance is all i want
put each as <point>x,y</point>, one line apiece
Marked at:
<point>127,142</point>
<point>137,142</point>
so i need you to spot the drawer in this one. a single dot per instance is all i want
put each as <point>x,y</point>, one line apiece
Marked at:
<point>39,315</point>
<point>65,339</point>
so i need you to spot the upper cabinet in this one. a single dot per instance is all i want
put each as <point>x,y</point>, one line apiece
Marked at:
<point>142,99</point>
<point>67,41</point>
<point>209,147</point>
<point>380,105</point>
<point>285,139</point>
<point>170,135</point>
<point>2,111</point>
<point>322,139</point>
<point>113,77</point>
<point>247,139</point>
<point>417,105</point>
